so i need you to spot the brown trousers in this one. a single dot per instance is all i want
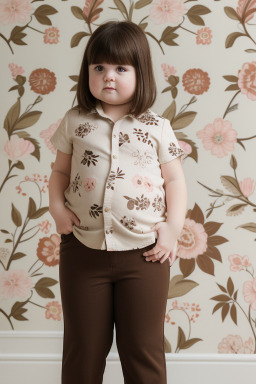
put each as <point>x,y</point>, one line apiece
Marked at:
<point>100,289</point>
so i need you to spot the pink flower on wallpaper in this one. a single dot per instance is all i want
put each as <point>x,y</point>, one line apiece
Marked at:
<point>249,292</point>
<point>195,81</point>
<point>237,262</point>
<point>53,310</point>
<point>48,250</point>
<point>15,70</point>
<point>234,344</point>
<point>218,137</point>
<point>204,36</point>
<point>168,70</point>
<point>192,240</point>
<point>167,11</point>
<point>17,148</point>
<point>15,11</point>
<point>45,226</point>
<point>251,6</point>
<point>147,184</point>
<point>51,35</point>
<point>89,4</point>
<point>247,80</point>
<point>89,184</point>
<point>247,186</point>
<point>15,284</point>
<point>46,134</point>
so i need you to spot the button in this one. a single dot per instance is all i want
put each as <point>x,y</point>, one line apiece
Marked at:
<point>114,157</point>
<point>106,209</point>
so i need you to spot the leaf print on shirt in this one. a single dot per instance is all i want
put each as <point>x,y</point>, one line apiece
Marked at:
<point>143,158</point>
<point>142,135</point>
<point>84,129</point>
<point>148,118</point>
<point>158,203</point>
<point>89,158</point>
<point>76,184</point>
<point>123,138</point>
<point>95,210</point>
<point>173,150</point>
<point>113,176</point>
<point>140,203</point>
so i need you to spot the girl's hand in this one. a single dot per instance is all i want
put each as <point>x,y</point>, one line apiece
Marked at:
<point>166,243</point>
<point>64,219</point>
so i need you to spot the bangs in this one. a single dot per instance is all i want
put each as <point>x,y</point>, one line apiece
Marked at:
<point>112,50</point>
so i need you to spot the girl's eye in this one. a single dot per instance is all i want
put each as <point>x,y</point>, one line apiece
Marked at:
<point>122,68</point>
<point>100,67</point>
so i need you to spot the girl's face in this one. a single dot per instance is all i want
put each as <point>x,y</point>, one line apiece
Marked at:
<point>113,84</point>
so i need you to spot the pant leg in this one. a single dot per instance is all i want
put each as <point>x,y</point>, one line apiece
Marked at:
<point>140,298</point>
<point>87,301</point>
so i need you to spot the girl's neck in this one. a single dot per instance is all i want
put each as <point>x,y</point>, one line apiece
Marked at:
<point>115,112</point>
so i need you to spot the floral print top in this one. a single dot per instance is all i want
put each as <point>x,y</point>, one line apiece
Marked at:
<point>116,187</point>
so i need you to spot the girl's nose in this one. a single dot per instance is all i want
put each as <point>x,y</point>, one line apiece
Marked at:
<point>109,76</point>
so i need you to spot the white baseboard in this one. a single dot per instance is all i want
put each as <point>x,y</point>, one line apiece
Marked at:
<point>25,359</point>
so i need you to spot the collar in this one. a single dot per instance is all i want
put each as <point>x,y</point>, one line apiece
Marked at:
<point>99,109</point>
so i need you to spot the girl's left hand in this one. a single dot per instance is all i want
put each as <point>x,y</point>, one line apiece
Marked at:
<point>166,242</point>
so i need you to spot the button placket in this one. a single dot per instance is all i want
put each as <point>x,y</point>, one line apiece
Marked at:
<point>108,196</point>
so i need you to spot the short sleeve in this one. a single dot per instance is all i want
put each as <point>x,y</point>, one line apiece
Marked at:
<point>169,147</point>
<point>61,137</point>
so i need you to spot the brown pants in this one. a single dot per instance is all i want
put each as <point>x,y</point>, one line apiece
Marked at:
<point>100,288</point>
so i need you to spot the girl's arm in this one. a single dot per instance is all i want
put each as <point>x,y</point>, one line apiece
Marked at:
<point>58,182</point>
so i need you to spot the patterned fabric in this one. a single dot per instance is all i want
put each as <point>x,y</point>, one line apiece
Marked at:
<point>116,187</point>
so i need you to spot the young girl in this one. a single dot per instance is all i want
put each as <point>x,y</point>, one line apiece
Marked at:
<point>118,197</point>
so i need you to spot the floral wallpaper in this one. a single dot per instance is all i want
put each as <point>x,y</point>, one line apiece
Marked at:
<point>205,66</point>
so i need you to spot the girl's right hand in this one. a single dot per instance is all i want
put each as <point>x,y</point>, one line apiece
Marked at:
<point>64,219</point>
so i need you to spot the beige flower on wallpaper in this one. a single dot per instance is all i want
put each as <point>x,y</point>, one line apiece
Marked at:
<point>168,70</point>
<point>238,263</point>
<point>218,137</point>
<point>51,35</point>
<point>17,148</point>
<point>15,284</point>
<point>247,186</point>
<point>204,36</point>
<point>235,344</point>
<point>195,81</point>
<point>251,9</point>
<point>46,134</point>
<point>15,11</point>
<point>53,310</point>
<point>42,81</point>
<point>15,70</point>
<point>167,11</point>
<point>192,240</point>
<point>48,250</point>
<point>249,292</point>
<point>247,80</point>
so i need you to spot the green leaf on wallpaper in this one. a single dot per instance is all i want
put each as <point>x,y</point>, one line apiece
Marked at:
<point>179,287</point>
<point>77,12</point>
<point>42,12</point>
<point>189,343</point>
<point>217,306</point>
<point>120,5</point>
<point>170,112</point>
<point>18,310</point>
<point>27,120</point>
<point>231,13</point>
<point>19,165</point>
<point>231,78</point>
<point>181,337</point>
<point>17,36</point>
<point>26,136</point>
<point>224,311</point>
<point>232,87</point>
<point>18,255</point>
<point>168,35</point>
<point>31,207</point>
<point>39,212</point>
<point>231,38</point>
<point>77,37</point>
<point>231,184</point>
<point>221,298</point>
<point>11,117</point>
<point>248,226</point>
<point>183,120</point>
<point>16,216</point>
<point>233,313</point>
<point>230,286</point>
<point>196,20</point>
<point>142,3</point>
<point>42,289</point>
<point>167,346</point>
<point>199,10</point>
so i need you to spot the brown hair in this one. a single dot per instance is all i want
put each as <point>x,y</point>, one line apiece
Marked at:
<point>119,42</point>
